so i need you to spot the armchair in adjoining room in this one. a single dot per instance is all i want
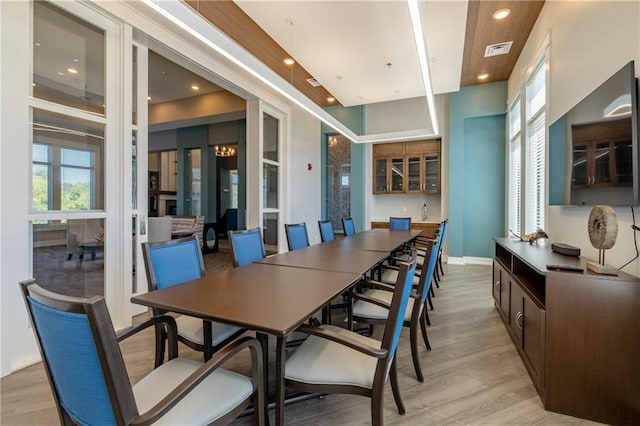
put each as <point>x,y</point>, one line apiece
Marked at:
<point>89,379</point>
<point>184,226</point>
<point>173,262</point>
<point>81,231</point>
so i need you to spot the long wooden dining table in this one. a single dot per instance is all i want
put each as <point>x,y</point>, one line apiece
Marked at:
<point>275,295</point>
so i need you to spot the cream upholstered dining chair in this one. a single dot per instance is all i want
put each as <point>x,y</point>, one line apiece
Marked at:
<point>336,360</point>
<point>173,262</point>
<point>372,306</point>
<point>89,380</point>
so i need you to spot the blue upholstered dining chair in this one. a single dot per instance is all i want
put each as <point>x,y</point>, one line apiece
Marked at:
<point>400,223</point>
<point>348,226</point>
<point>296,235</point>
<point>326,230</point>
<point>336,360</point>
<point>372,306</point>
<point>173,262</point>
<point>89,380</point>
<point>246,246</point>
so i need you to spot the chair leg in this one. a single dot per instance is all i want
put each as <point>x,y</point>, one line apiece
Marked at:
<point>160,339</point>
<point>424,319</point>
<point>395,387</point>
<point>436,277</point>
<point>413,333</point>
<point>425,311</point>
<point>431,291</point>
<point>430,301</point>
<point>440,263</point>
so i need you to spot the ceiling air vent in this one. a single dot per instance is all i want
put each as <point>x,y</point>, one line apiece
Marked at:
<point>312,81</point>
<point>497,49</point>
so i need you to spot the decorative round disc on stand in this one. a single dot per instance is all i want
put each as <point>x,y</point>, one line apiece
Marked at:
<point>603,231</point>
<point>603,227</point>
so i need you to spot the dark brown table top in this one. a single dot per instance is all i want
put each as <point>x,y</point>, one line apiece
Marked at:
<point>329,259</point>
<point>267,298</point>
<point>383,240</point>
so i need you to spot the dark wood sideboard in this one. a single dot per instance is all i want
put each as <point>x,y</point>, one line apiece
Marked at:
<point>578,333</point>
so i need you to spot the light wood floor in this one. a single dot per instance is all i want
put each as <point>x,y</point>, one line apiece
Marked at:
<point>473,375</point>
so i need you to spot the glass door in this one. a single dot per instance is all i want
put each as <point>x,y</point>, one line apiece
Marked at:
<point>270,182</point>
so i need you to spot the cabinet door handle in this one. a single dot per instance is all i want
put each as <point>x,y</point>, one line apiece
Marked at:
<point>498,285</point>
<point>519,316</point>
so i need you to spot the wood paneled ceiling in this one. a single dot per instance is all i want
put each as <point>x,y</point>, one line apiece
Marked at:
<point>481,30</point>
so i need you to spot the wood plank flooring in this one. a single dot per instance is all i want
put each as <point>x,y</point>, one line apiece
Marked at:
<point>473,375</point>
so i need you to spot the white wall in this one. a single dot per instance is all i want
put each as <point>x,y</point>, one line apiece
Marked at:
<point>590,41</point>
<point>395,116</point>
<point>385,205</point>
<point>305,185</point>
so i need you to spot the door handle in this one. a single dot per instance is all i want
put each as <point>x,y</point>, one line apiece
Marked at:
<point>519,316</point>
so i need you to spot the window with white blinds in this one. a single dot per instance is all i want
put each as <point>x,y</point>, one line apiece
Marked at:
<point>515,167</point>
<point>526,208</point>
<point>535,169</point>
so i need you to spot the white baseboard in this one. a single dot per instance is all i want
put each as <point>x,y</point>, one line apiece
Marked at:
<point>469,260</point>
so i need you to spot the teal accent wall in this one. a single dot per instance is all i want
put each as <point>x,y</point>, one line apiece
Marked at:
<point>483,100</point>
<point>484,183</point>
<point>557,162</point>
<point>353,118</point>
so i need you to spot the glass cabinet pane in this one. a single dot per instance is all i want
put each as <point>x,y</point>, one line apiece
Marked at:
<point>413,174</point>
<point>623,155</point>
<point>397,174</point>
<point>602,172</point>
<point>68,59</point>
<point>431,173</point>
<point>381,175</point>
<point>580,173</point>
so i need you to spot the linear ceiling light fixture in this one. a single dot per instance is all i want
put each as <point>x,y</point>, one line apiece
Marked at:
<point>418,35</point>
<point>327,119</point>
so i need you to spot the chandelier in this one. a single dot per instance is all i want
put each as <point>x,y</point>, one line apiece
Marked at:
<point>225,151</point>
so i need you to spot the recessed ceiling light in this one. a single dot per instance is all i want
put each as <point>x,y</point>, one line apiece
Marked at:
<point>76,60</point>
<point>148,98</point>
<point>483,76</point>
<point>37,44</point>
<point>289,61</point>
<point>60,73</point>
<point>33,84</point>
<point>195,87</point>
<point>331,99</point>
<point>501,14</point>
<point>72,70</point>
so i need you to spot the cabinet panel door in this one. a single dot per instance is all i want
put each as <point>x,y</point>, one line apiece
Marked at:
<point>516,313</point>
<point>497,278</point>
<point>533,337</point>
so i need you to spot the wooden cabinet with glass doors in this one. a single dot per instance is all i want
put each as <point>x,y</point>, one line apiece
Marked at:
<point>406,167</point>
<point>602,154</point>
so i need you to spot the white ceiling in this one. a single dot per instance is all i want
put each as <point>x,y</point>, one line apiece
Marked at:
<point>346,45</point>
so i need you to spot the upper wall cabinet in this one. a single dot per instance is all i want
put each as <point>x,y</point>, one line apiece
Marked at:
<point>406,167</point>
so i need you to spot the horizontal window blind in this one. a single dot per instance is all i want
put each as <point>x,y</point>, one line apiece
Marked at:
<point>515,168</point>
